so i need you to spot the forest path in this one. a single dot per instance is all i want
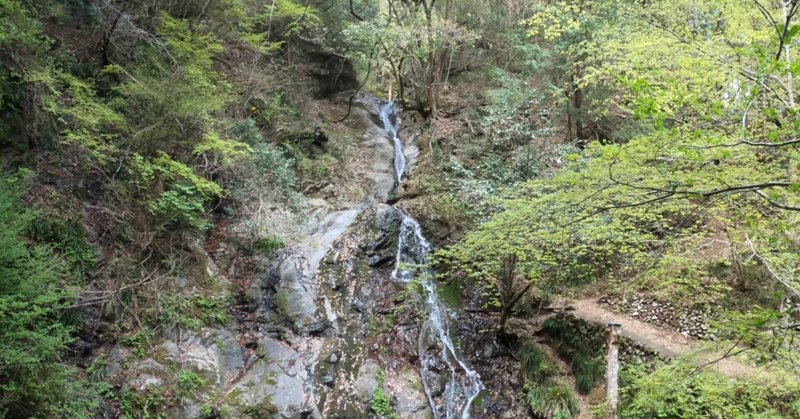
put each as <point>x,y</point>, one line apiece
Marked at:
<point>668,343</point>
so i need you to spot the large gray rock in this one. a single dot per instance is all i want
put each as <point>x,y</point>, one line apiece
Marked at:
<point>281,379</point>
<point>367,380</point>
<point>387,218</point>
<point>410,401</point>
<point>296,296</point>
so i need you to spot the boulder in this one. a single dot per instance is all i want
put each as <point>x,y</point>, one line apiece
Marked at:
<point>410,401</point>
<point>296,297</point>
<point>281,380</point>
<point>367,380</point>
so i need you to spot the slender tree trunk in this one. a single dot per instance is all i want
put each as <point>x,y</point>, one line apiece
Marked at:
<point>577,103</point>
<point>505,313</point>
<point>434,69</point>
<point>788,55</point>
<point>400,88</point>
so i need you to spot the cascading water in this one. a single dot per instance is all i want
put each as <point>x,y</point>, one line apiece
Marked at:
<point>387,112</point>
<point>436,348</point>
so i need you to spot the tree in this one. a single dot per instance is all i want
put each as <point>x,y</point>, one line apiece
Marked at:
<point>390,34</point>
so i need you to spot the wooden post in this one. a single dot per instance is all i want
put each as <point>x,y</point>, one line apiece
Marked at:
<point>612,369</point>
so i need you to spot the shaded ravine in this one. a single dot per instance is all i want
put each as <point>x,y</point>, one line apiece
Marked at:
<point>436,347</point>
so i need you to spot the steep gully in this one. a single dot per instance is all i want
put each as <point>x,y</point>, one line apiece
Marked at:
<point>464,384</point>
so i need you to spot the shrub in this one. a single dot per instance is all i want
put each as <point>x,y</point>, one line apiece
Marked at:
<point>270,244</point>
<point>181,207</point>
<point>33,300</point>
<point>189,381</point>
<point>552,400</point>
<point>705,394</point>
<point>279,166</point>
<point>147,404</point>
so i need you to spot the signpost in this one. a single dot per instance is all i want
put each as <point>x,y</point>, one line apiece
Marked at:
<point>612,368</point>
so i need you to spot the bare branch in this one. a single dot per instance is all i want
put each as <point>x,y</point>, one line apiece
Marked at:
<point>769,267</point>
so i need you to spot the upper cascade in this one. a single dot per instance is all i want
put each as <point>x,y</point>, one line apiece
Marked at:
<point>391,123</point>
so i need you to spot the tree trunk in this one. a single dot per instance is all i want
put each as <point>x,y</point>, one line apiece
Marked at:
<point>433,66</point>
<point>579,131</point>
<point>577,103</point>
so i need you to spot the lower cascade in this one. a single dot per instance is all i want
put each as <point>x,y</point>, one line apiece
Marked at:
<point>437,352</point>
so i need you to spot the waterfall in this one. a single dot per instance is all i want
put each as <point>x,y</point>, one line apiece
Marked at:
<point>463,383</point>
<point>388,114</point>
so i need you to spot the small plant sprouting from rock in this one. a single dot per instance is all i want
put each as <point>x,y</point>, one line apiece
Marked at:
<point>139,343</point>
<point>381,402</point>
<point>207,411</point>
<point>269,244</point>
<point>189,381</point>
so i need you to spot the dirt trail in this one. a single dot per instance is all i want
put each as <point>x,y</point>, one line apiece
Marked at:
<point>670,344</point>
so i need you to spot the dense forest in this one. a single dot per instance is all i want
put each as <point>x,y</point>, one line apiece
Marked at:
<point>399,208</point>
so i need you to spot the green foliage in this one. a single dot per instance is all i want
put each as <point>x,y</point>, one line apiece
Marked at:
<point>381,403</point>
<point>705,394</point>
<point>207,411</point>
<point>164,168</point>
<point>380,325</point>
<point>537,369</point>
<point>34,296</point>
<point>191,312</point>
<point>767,331</point>
<point>554,400</point>
<point>139,343</point>
<point>297,18</point>
<point>278,166</point>
<point>269,245</point>
<point>547,396</point>
<point>182,207</point>
<point>68,238</point>
<point>189,381</point>
<point>576,342</point>
<point>412,32</point>
<point>146,404</point>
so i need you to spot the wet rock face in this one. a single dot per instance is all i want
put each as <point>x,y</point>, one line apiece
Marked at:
<point>381,250</point>
<point>374,347</point>
<point>322,321</point>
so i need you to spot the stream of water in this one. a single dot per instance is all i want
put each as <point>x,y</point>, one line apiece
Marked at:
<point>388,114</point>
<point>436,348</point>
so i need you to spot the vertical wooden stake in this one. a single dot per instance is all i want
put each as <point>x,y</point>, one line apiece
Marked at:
<point>612,369</point>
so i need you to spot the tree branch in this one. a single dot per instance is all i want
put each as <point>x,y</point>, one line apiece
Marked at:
<point>353,12</point>
<point>790,287</point>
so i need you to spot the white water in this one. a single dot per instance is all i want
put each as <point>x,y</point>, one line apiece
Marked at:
<point>387,113</point>
<point>463,384</point>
